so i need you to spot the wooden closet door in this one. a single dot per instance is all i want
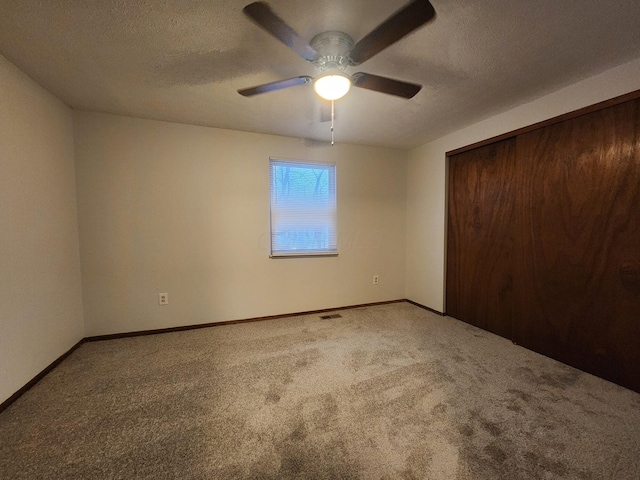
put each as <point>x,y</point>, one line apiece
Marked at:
<point>479,237</point>
<point>577,243</point>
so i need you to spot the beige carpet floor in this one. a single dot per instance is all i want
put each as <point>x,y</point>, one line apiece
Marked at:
<point>385,392</point>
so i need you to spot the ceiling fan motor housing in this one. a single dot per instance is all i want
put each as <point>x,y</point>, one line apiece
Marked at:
<point>334,49</point>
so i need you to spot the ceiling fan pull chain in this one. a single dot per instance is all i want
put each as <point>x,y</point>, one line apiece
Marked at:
<point>332,117</point>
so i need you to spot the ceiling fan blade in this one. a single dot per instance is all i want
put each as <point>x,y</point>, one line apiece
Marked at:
<point>385,85</point>
<point>265,18</point>
<point>273,86</point>
<point>404,21</point>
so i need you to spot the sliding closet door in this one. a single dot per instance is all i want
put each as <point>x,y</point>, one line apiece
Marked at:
<point>577,243</point>
<point>479,237</point>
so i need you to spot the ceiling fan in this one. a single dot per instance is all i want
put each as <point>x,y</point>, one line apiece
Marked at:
<point>333,52</point>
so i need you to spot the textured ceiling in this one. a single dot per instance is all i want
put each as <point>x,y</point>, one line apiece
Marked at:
<point>184,60</point>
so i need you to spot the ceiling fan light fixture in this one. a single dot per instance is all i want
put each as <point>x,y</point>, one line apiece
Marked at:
<point>332,86</point>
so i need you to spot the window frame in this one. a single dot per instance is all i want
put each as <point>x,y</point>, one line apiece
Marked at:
<point>331,168</point>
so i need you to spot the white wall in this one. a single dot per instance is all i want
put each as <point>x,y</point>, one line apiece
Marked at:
<point>426,174</point>
<point>183,209</point>
<point>40,287</point>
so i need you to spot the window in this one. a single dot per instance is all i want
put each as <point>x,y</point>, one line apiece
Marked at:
<point>303,208</point>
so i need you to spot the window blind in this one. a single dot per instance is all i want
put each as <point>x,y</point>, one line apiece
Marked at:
<point>303,208</point>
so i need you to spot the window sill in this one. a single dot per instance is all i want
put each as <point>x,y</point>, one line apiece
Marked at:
<point>303,255</point>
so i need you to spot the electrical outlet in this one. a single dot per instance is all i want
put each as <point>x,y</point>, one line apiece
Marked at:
<point>376,279</point>
<point>163,298</point>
